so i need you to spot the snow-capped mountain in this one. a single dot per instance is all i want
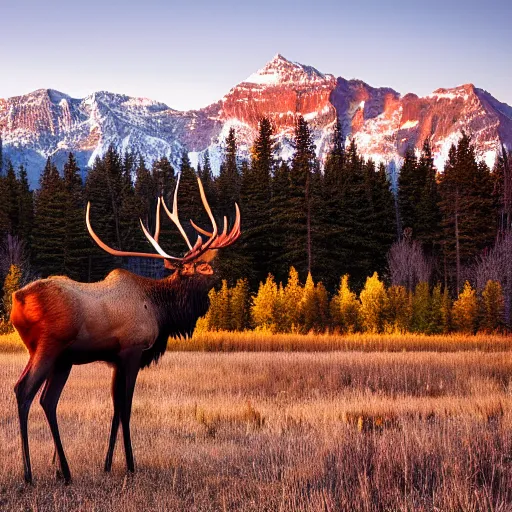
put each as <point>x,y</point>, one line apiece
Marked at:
<point>383,122</point>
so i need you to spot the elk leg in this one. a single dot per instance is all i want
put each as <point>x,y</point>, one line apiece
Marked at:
<point>117,392</point>
<point>131,367</point>
<point>26,388</point>
<point>49,400</point>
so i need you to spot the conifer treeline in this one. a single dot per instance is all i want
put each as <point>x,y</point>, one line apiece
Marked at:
<point>327,222</point>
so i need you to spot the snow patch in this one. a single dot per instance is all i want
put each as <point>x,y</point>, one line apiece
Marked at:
<point>310,116</point>
<point>263,77</point>
<point>408,125</point>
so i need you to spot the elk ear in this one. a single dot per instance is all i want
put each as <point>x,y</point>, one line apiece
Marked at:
<point>208,256</point>
<point>169,265</point>
<point>205,269</point>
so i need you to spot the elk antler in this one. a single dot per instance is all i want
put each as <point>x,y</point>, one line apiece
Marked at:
<point>215,241</point>
<point>116,252</point>
<point>223,240</point>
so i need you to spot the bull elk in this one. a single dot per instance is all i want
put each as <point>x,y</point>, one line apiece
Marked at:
<point>124,320</point>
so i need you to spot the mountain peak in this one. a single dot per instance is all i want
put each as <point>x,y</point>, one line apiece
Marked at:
<point>280,70</point>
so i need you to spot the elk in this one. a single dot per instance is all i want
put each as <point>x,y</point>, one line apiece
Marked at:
<point>124,320</point>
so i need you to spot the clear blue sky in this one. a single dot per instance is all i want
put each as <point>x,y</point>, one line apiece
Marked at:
<point>188,54</point>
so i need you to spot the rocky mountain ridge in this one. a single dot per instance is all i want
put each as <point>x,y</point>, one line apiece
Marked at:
<point>382,121</point>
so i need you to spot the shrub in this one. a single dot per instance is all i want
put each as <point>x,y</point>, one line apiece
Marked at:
<point>11,284</point>
<point>493,306</point>
<point>398,309</point>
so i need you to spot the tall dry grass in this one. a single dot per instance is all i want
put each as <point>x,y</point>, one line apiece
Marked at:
<point>278,431</point>
<point>261,341</point>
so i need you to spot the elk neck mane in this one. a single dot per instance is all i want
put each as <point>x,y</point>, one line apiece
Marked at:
<point>178,301</point>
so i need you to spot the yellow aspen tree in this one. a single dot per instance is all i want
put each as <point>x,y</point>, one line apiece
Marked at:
<point>345,307</point>
<point>279,315</point>
<point>218,313</point>
<point>465,310</point>
<point>309,305</point>
<point>264,304</point>
<point>373,299</point>
<point>239,305</point>
<point>292,298</point>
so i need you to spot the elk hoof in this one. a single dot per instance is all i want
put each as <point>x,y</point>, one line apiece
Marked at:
<point>61,476</point>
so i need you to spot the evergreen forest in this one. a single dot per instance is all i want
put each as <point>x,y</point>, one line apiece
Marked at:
<point>324,246</point>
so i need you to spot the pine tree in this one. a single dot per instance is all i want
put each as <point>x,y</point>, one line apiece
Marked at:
<point>12,199</point>
<point>145,194</point>
<point>206,175</point>
<point>229,179</point>
<point>231,264</point>
<point>25,208</point>
<point>502,189</point>
<point>465,310</point>
<point>163,175</point>
<point>466,205</point>
<point>296,212</point>
<point>165,182</point>
<point>280,264</point>
<point>358,244</point>
<point>50,221</point>
<point>107,186</point>
<point>255,198</point>
<point>190,206</point>
<point>131,209</point>
<point>76,239</point>
<point>331,213</point>
<point>4,217</point>
<point>410,188</point>
<point>382,226</point>
<point>428,215</point>
<point>373,307</point>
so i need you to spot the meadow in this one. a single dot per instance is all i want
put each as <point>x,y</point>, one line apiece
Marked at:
<point>361,423</point>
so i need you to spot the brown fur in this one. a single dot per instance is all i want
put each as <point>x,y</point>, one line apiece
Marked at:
<point>42,312</point>
<point>124,320</point>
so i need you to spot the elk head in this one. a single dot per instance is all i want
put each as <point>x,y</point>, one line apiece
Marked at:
<point>199,256</point>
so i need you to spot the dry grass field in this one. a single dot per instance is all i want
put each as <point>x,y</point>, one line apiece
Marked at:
<point>412,430</point>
